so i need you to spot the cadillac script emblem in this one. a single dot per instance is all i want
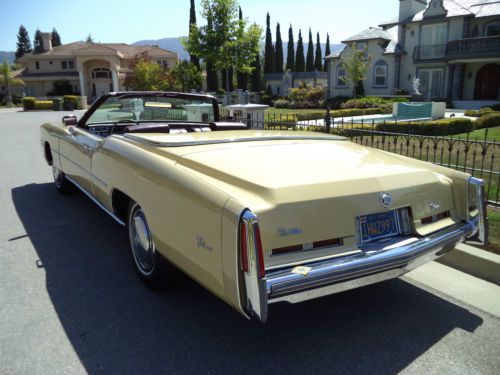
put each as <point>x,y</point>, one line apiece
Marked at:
<point>385,199</point>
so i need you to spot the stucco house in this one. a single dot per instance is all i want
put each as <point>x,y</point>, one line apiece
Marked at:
<point>91,68</point>
<point>452,46</point>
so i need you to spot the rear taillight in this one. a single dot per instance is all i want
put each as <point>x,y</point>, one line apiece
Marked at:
<point>252,258</point>
<point>244,247</point>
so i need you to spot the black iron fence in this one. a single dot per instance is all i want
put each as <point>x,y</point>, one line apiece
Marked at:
<point>478,157</point>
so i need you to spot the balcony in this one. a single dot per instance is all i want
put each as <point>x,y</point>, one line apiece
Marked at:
<point>473,48</point>
<point>429,53</point>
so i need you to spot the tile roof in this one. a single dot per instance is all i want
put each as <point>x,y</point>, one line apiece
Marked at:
<point>457,8</point>
<point>127,50</point>
<point>370,33</point>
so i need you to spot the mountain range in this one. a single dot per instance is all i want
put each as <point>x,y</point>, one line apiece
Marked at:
<point>175,45</point>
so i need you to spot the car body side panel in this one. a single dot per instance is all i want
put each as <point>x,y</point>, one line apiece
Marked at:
<point>184,213</point>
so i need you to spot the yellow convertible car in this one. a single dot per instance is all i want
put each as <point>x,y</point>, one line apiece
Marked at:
<point>255,216</point>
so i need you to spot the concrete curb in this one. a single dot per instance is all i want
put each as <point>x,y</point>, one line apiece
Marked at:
<point>474,261</point>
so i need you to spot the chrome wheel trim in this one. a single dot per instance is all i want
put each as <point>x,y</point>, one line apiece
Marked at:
<point>141,242</point>
<point>58,176</point>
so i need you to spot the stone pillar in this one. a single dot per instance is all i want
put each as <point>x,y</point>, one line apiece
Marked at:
<point>114,75</point>
<point>82,83</point>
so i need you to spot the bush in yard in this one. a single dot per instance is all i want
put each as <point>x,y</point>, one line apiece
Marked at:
<point>488,121</point>
<point>495,107</point>
<point>431,128</point>
<point>29,103</point>
<point>44,104</point>
<point>71,98</point>
<point>281,103</point>
<point>474,113</point>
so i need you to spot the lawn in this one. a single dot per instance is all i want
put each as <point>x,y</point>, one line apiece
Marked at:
<point>493,134</point>
<point>494,221</point>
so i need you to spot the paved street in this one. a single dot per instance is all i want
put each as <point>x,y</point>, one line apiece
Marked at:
<point>70,301</point>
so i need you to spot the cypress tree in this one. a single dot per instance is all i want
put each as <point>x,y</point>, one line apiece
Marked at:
<point>327,51</point>
<point>256,85</point>
<point>310,54</point>
<point>242,78</point>
<point>278,57</point>
<point>269,49</point>
<point>56,39</point>
<point>23,42</point>
<point>195,60</point>
<point>225,76</point>
<point>290,58</point>
<point>300,64</point>
<point>318,63</point>
<point>38,42</point>
<point>212,79</point>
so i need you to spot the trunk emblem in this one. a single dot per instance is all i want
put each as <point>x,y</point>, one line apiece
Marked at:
<point>385,199</point>
<point>434,206</point>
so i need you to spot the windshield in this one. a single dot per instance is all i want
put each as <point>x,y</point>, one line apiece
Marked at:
<point>152,109</point>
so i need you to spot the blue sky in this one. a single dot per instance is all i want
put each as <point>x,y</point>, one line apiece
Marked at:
<point>128,21</point>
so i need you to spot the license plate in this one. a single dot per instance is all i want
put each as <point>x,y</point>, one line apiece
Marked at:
<point>377,226</point>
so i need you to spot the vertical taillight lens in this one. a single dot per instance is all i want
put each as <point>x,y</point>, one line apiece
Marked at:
<point>244,247</point>
<point>252,258</point>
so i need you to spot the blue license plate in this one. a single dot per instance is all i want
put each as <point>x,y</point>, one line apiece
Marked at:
<point>377,226</point>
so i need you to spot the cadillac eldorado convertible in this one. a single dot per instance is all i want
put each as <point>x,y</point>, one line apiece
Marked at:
<point>256,216</point>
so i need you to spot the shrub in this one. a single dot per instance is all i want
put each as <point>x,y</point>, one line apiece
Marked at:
<point>488,121</point>
<point>483,111</point>
<point>71,98</point>
<point>266,99</point>
<point>316,115</point>
<point>436,128</point>
<point>281,103</point>
<point>495,107</point>
<point>221,92</point>
<point>28,103</point>
<point>43,104</point>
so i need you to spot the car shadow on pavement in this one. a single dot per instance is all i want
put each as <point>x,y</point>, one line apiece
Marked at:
<point>117,325</point>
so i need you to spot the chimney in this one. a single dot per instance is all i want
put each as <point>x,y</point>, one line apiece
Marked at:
<point>408,8</point>
<point>47,41</point>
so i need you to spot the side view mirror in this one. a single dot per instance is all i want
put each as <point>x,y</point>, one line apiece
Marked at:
<point>69,120</point>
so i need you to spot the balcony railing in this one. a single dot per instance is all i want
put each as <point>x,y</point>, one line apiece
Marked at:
<point>488,46</point>
<point>429,53</point>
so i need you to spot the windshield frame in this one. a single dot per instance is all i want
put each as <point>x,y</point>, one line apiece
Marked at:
<point>82,123</point>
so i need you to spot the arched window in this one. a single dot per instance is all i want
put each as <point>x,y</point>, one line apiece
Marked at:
<point>380,71</point>
<point>492,29</point>
<point>340,77</point>
<point>101,73</point>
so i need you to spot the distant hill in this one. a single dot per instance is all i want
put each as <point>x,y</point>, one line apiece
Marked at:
<point>7,55</point>
<point>175,45</point>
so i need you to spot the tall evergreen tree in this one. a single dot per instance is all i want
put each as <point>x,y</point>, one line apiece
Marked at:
<point>195,60</point>
<point>212,79</point>
<point>23,42</point>
<point>327,51</point>
<point>269,49</point>
<point>257,71</point>
<point>56,38</point>
<point>318,56</point>
<point>241,77</point>
<point>290,58</point>
<point>38,42</point>
<point>227,75</point>
<point>300,64</point>
<point>310,54</point>
<point>278,56</point>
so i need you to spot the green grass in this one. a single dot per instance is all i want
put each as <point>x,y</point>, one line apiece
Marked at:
<point>493,134</point>
<point>494,222</point>
<point>271,111</point>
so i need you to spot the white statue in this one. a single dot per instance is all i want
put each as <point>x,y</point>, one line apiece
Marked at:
<point>416,86</point>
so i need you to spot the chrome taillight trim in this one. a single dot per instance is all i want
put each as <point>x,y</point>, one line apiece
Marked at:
<point>480,221</point>
<point>255,303</point>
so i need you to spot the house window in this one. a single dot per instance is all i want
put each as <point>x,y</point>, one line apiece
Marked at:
<point>37,65</point>
<point>67,65</point>
<point>341,77</point>
<point>162,62</point>
<point>493,29</point>
<point>380,74</point>
<point>101,73</point>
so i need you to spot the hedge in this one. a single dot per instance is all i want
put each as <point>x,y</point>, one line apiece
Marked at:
<point>474,113</point>
<point>435,128</point>
<point>488,121</point>
<point>44,104</point>
<point>320,114</point>
<point>28,103</point>
<point>71,98</point>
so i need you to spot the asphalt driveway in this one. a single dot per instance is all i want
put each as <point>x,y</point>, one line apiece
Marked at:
<point>71,303</point>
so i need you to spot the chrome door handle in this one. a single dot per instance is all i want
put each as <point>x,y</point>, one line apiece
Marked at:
<point>86,147</point>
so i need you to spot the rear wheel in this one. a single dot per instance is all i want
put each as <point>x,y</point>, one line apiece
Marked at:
<point>151,267</point>
<point>63,186</point>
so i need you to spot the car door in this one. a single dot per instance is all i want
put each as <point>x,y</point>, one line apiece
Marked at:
<point>76,149</point>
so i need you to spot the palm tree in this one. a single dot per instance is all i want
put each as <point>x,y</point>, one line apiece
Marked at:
<point>7,79</point>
